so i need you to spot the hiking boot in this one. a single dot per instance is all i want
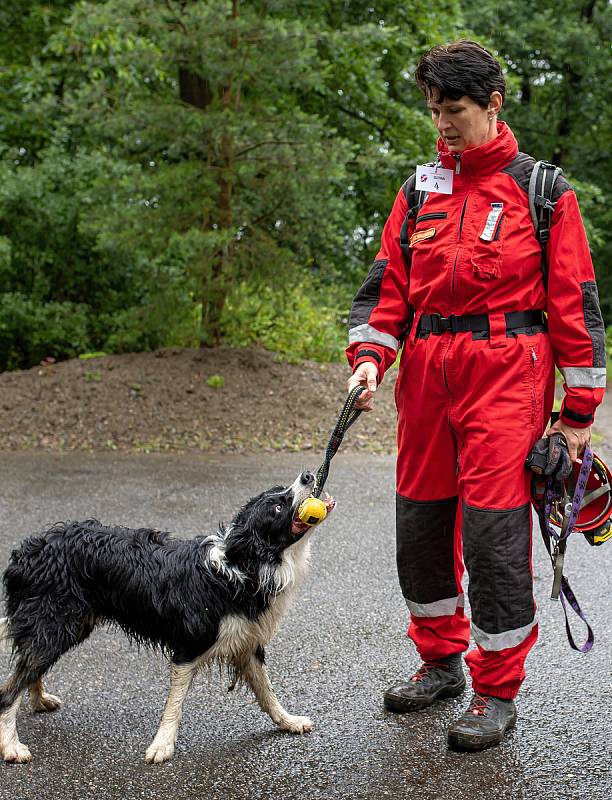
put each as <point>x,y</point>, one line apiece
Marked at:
<point>433,679</point>
<point>483,724</point>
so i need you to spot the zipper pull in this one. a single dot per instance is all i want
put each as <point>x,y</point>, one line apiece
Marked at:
<point>458,164</point>
<point>533,355</point>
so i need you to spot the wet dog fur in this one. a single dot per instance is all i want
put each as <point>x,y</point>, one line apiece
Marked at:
<point>217,598</point>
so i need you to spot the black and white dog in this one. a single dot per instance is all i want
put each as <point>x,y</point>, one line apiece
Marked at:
<point>213,598</point>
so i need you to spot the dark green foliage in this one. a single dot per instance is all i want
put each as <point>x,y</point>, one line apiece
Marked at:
<point>31,331</point>
<point>189,171</point>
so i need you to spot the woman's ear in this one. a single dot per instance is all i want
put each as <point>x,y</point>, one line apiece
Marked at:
<point>496,102</point>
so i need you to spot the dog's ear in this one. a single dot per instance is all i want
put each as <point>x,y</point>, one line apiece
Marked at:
<point>239,544</point>
<point>244,545</point>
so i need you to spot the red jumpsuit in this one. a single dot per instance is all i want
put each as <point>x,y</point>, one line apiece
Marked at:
<point>471,403</point>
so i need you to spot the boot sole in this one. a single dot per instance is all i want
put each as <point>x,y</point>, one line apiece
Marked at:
<point>401,705</point>
<point>474,742</point>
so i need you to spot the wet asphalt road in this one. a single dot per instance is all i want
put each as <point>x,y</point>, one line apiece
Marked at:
<point>341,645</point>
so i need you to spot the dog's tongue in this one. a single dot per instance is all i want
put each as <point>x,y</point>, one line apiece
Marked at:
<point>298,527</point>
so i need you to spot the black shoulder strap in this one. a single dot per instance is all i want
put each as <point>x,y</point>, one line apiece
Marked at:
<point>415,200</point>
<point>541,204</point>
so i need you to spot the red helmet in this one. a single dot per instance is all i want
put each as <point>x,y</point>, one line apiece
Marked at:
<point>595,516</point>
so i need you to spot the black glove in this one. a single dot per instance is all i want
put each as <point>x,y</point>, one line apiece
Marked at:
<point>550,457</point>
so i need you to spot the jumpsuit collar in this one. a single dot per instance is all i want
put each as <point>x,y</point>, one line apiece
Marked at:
<point>486,158</point>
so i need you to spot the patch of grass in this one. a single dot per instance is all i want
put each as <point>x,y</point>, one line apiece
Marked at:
<point>215,381</point>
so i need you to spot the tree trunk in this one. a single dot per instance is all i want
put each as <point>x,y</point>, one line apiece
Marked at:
<point>214,291</point>
<point>194,89</point>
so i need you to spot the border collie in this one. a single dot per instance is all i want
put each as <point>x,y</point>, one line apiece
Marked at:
<point>217,598</point>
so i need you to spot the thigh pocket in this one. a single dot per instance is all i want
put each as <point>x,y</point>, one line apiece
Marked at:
<point>531,382</point>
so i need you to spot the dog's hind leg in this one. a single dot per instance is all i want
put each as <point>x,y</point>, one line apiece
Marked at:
<point>11,749</point>
<point>37,651</point>
<point>41,700</point>
<point>162,746</point>
<point>11,693</point>
<point>254,671</point>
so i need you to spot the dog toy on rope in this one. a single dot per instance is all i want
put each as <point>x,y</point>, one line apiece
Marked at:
<point>313,510</point>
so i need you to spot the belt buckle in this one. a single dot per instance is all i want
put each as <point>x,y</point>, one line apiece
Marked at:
<point>435,320</point>
<point>446,323</point>
<point>453,323</point>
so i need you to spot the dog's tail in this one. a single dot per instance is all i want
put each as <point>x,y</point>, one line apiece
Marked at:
<point>5,638</point>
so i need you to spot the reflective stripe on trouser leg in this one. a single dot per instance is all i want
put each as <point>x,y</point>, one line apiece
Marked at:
<point>497,552</point>
<point>425,537</point>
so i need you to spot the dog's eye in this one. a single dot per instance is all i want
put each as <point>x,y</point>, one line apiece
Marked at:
<point>278,508</point>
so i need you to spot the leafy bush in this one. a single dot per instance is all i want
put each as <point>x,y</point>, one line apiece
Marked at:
<point>31,331</point>
<point>298,322</point>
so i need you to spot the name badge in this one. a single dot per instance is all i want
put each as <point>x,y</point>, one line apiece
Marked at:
<point>434,179</point>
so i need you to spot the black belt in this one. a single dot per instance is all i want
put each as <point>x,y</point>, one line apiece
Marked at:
<point>528,322</point>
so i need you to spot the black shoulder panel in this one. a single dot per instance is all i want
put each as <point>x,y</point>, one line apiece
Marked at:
<point>561,186</point>
<point>520,169</point>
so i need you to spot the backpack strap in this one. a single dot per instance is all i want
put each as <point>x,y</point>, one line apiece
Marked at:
<point>415,199</point>
<point>541,204</point>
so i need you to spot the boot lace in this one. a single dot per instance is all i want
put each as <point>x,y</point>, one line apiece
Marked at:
<point>425,668</point>
<point>479,705</point>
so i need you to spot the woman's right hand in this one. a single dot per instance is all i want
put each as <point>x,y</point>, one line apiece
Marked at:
<point>366,375</point>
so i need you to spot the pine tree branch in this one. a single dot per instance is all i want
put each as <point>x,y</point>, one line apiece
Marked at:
<point>353,114</point>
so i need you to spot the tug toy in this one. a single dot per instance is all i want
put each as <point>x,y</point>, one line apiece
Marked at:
<point>313,510</point>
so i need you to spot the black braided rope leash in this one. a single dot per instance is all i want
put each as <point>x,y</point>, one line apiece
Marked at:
<point>348,415</point>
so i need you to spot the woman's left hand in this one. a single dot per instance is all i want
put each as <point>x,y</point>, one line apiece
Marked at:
<point>576,438</point>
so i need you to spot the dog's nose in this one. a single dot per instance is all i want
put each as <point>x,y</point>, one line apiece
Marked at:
<point>307,477</point>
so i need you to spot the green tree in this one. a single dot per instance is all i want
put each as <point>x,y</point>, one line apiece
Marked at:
<point>210,148</point>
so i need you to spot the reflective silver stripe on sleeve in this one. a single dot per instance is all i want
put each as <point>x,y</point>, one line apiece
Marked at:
<point>590,377</point>
<point>501,641</point>
<point>439,608</point>
<point>366,333</point>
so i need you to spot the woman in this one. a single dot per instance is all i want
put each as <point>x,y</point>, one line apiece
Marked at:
<point>475,386</point>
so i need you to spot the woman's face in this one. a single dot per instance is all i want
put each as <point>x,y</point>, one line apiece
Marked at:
<point>463,123</point>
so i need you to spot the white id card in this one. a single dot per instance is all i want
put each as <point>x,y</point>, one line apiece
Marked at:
<point>430,179</point>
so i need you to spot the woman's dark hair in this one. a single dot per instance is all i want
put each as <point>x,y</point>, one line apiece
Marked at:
<point>460,68</point>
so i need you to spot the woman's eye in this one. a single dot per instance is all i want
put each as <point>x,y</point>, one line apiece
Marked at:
<point>278,508</point>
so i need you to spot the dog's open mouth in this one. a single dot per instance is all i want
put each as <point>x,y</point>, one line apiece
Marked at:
<point>298,527</point>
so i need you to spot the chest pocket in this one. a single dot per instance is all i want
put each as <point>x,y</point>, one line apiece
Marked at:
<point>487,253</point>
<point>425,231</point>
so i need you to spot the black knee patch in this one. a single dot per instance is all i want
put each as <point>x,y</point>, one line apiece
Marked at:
<point>425,548</point>
<point>496,551</point>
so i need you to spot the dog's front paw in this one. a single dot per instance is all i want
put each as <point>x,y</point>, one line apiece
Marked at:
<point>296,724</point>
<point>46,702</point>
<point>17,753</point>
<point>159,752</point>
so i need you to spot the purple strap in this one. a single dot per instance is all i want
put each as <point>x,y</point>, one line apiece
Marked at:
<point>568,594</point>
<point>561,587</point>
<point>581,484</point>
